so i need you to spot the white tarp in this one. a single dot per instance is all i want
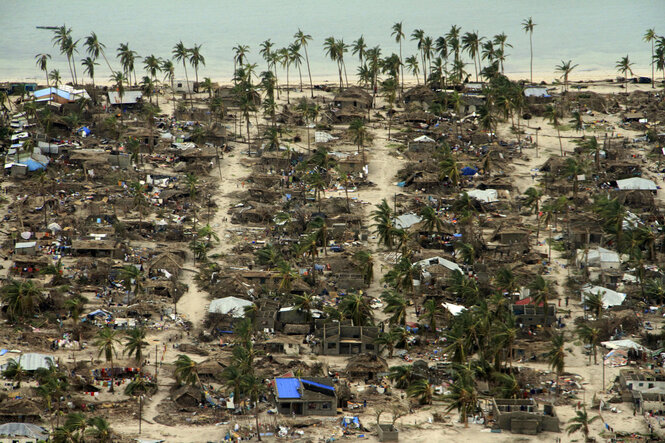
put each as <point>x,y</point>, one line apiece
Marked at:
<point>423,139</point>
<point>610,297</point>
<point>636,183</point>
<point>624,344</point>
<point>426,263</point>
<point>405,221</point>
<point>454,309</point>
<point>599,257</point>
<point>233,306</point>
<point>485,196</point>
<point>323,137</point>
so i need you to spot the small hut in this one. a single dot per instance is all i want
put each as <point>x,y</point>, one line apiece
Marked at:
<point>366,366</point>
<point>187,396</point>
<point>19,410</point>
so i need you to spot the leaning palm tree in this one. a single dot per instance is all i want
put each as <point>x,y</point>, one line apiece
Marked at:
<point>42,64</point>
<point>423,390</point>
<point>395,305</point>
<point>106,341</point>
<point>304,39</point>
<point>527,26</point>
<point>356,307</point>
<point>650,37</point>
<point>624,66</point>
<point>21,299</point>
<point>100,430</point>
<point>186,371</point>
<point>14,371</point>
<point>94,47</point>
<point>565,68</point>
<point>581,422</point>
<point>169,75</point>
<point>398,33</point>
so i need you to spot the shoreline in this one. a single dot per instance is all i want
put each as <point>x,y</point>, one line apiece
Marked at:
<point>591,77</point>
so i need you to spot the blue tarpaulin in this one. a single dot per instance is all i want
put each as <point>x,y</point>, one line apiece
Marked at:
<point>318,385</point>
<point>33,165</point>
<point>84,130</point>
<point>287,387</point>
<point>468,170</point>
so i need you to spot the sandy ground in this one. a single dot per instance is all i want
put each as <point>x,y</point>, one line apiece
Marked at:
<point>414,427</point>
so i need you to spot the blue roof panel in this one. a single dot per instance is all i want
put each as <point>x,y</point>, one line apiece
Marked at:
<point>287,387</point>
<point>318,385</point>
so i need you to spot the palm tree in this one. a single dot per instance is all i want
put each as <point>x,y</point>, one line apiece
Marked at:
<point>186,371</point>
<point>527,26</point>
<point>412,65</point>
<point>285,60</point>
<point>388,340</point>
<point>590,336</point>
<point>553,115</point>
<point>658,58</point>
<point>134,344</point>
<point>500,40</point>
<point>287,275</point>
<point>542,292</point>
<point>565,68</point>
<point>650,36</point>
<point>14,371</point>
<point>94,47</point>
<point>42,64</point>
<point>383,222</point>
<point>463,397</point>
<point>196,59</point>
<point>356,307</point>
<point>118,80</point>
<point>422,390</point>
<point>106,341</point>
<point>89,68</point>
<point>593,301</point>
<point>471,44</point>
<point>505,280</point>
<point>556,356</point>
<point>655,290</point>
<point>431,220</point>
<point>21,299</point>
<point>127,58</point>
<point>575,167</point>
<point>431,310</point>
<point>581,422</point>
<point>389,89</point>
<point>450,169</point>
<point>55,77</point>
<point>100,429</point>
<point>240,55</point>
<point>399,36</point>
<point>624,66</point>
<point>358,47</point>
<point>365,263</point>
<point>304,39</point>
<point>169,75</point>
<point>402,375</point>
<point>395,304</point>
<point>207,86</point>
<point>359,133</point>
<point>418,35</point>
<point>75,306</point>
<point>181,54</point>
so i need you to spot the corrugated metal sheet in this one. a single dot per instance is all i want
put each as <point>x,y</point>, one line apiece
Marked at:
<point>26,430</point>
<point>287,388</point>
<point>33,361</point>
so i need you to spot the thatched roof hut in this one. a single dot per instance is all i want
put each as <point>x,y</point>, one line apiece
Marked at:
<point>366,366</point>
<point>19,410</point>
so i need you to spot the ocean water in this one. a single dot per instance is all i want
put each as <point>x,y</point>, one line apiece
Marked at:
<point>593,33</point>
